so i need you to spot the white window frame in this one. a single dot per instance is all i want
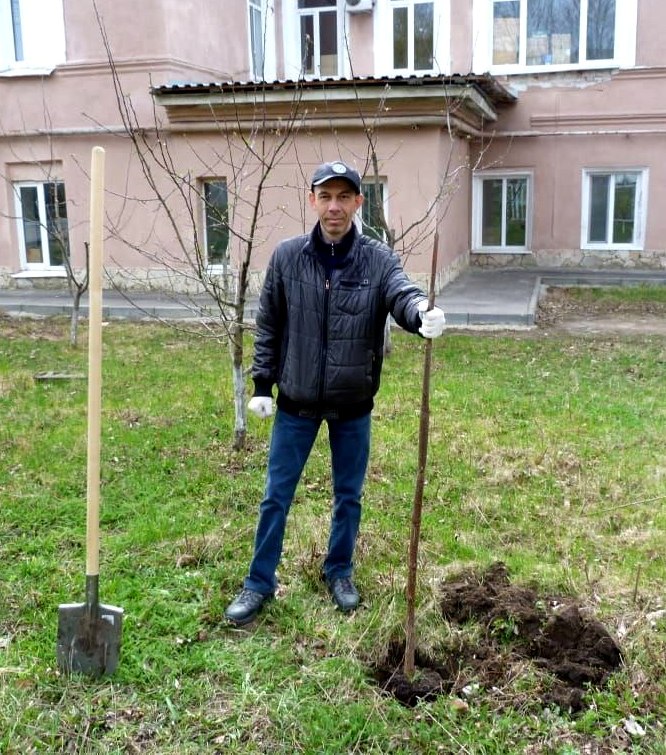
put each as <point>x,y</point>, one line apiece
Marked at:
<point>383,29</point>
<point>255,20</point>
<point>214,267</point>
<point>42,37</point>
<point>626,21</point>
<point>266,11</point>
<point>44,266</point>
<point>291,24</point>
<point>640,209</point>
<point>477,211</point>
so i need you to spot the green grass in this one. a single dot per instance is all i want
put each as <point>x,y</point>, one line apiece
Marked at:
<point>630,293</point>
<point>545,452</point>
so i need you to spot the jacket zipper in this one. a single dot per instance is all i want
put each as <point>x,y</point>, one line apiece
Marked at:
<point>324,334</point>
<point>324,339</point>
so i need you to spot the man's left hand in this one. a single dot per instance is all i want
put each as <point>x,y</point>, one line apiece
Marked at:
<point>432,322</point>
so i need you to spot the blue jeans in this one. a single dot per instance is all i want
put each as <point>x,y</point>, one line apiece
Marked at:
<point>291,442</point>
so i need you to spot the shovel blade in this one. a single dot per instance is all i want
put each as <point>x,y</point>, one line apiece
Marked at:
<point>88,640</point>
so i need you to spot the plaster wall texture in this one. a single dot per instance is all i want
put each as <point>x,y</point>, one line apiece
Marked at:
<point>561,125</point>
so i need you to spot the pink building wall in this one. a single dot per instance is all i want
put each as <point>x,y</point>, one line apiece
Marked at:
<point>285,211</point>
<point>461,34</point>
<point>558,127</point>
<point>650,43</point>
<point>361,35</point>
<point>562,125</point>
<point>54,121</point>
<point>195,36</point>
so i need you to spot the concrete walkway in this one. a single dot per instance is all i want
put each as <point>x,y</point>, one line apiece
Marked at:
<point>508,298</point>
<point>502,298</point>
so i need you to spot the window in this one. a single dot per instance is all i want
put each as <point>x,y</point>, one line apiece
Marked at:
<point>374,202</point>
<point>32,36</point>
<point>502,207</point>
<point>413,35</point>
<point>41,212</point>
<point>256,23</point>
<point>216,221</point>
<point>566,33</point>
<point>613,209</point>
<point>318,27</point>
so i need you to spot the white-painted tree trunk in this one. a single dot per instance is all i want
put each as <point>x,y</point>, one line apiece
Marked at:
<point>240,413</point>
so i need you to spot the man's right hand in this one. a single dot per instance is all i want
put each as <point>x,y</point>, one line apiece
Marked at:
<point>262,406</point>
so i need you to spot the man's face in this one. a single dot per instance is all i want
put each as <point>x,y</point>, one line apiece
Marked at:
<point>335,203</point>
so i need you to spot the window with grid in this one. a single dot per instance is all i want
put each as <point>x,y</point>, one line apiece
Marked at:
<point>530,33</point>
<point>502,212</point>
<point>41,213</point>
<point>256,25</point>
<point>373,208</point>
<point>319,34</point>
<point>613,209</point>
<point>413,29</point>
<point>216,221</point>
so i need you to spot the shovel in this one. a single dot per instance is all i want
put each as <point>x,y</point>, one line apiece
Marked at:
<point>89,633</point>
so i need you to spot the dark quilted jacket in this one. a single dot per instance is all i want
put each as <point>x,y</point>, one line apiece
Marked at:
<point>321,341</point>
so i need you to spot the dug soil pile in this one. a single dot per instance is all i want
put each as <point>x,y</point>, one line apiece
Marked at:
<point>552,643</point>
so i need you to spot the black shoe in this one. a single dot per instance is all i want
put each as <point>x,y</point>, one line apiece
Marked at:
<point>344,593</point>
<point>245,606</point>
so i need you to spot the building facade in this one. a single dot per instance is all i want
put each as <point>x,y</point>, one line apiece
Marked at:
<point>527,132</point>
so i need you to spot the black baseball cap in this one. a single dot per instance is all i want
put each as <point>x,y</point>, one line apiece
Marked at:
<point>338,169</point>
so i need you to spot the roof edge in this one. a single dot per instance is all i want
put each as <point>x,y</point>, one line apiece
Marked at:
<point>488,85</point>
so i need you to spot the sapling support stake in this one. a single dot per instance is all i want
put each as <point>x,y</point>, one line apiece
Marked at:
<point>417,507</point>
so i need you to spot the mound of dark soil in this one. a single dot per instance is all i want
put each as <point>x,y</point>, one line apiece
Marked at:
<point>565,650</point>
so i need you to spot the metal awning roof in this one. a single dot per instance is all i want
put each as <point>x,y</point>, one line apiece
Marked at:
<point>463,102</point>
<point>488,85</point>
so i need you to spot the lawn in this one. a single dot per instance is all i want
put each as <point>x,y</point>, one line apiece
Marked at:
<point>546,454</point>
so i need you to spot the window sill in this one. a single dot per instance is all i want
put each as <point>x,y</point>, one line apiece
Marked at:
<point>611,248</point>
<point>501,250</point>
<point>520,70</point>
<point>52,272</point>
<point>9,73</point>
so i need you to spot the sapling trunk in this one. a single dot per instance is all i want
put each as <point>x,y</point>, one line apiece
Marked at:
<point>77,289</point>
<point>240,426</point>
<point>417,507</point>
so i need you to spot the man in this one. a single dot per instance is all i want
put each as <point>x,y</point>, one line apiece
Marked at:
<point>320,338</point>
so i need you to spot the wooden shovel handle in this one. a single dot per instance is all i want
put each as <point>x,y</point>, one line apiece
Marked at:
<point>95,359</point>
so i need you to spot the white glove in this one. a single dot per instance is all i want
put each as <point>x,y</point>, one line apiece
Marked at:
<point>262,406</point>
<point>432,321</point>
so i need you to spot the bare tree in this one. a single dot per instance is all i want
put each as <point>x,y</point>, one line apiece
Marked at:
<point>406,238</point>
<point>77,288</point>
<point>253,146</point>
<point>252,151</point>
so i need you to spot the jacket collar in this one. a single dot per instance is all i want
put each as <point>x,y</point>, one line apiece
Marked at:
<point>342,250</point>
